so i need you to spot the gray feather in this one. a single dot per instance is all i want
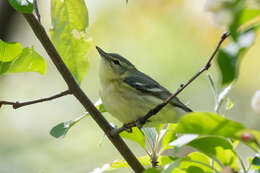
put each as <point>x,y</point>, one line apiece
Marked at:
<point>144,83</point>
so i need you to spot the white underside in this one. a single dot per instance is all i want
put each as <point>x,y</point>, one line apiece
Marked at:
<point>126,106</point>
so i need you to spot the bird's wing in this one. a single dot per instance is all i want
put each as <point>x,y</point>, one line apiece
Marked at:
<point>145,84</point>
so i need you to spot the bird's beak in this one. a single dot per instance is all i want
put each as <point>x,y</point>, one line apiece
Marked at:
<point>103,54</point>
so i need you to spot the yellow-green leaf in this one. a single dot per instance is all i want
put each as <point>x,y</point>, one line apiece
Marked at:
<point>28,61</point>
<point>69,23</point>
<point>9,51</point>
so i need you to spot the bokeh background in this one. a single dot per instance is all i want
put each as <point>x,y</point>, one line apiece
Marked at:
<point>169,40</point>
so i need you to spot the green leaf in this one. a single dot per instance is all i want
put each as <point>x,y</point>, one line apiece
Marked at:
<point>23,6</point>
<point>194,162</point>
<point>198,160</point>
<point>229,58</point>
<point>164,160</point>
<point>169,136</point>
<point>256,161</point>
<point>9,51</point>
<point>248,14</point>
<point>136,136</point>
<point>28,61</point>
<point>152,170</point>
<point>208,124</point>
<point>61,129</point>
<point>144,160</point>
<point>218,148</point>
<point>227,65</point>
<point>236,7</point>
<point>69,23</point>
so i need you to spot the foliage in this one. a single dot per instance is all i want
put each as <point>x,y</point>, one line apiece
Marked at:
<point>15,59</point>
<point>68,33</point>
<point>23,6</point>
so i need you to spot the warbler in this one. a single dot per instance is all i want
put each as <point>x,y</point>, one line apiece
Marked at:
<point>128,94</point>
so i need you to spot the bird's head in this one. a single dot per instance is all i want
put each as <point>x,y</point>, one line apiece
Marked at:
<point>113,65</point>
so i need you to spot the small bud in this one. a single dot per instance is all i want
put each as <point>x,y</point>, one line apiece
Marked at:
<point>247,137</point>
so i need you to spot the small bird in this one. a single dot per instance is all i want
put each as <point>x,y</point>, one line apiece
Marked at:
<point>128,94</point>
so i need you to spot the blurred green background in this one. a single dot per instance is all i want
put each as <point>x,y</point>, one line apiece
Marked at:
<point>169,40</point>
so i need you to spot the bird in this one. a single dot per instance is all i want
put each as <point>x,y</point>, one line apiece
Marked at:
<point>128,94</point>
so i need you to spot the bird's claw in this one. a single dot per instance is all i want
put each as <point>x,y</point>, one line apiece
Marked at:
<point>127,128</point>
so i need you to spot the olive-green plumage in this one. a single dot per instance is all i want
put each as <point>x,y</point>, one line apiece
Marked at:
<point>129,94</point>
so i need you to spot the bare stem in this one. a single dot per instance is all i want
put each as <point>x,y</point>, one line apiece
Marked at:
<point>17,104</point>
<point>117,141</point>
<point>159,107</point>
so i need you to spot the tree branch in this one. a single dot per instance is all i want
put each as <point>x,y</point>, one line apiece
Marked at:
<point>159,107</point>
<point>117,141</point>
<point>17,105</point>
<point>36,9</point>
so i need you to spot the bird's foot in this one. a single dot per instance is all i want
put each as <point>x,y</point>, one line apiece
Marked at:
<point>127,128</point>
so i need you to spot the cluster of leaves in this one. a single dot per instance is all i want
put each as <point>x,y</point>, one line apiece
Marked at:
<point>214,137</point>
<point>15,59</point>
<point>237,17</point>
<point>68,33</point>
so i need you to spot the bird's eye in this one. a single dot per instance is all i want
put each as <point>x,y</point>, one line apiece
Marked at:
<point>116,62</point>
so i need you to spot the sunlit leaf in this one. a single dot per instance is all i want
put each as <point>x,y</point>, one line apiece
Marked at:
<point>195,161</point>
<point>9,51</point>
<point>144,160</point>
<point>208,124</point>
<point>23,6</point>
<point>218,148</point>
<point>61,129</point>
<point>248,14</point>
<point>28,61</point>
<point>164,160</point>
<point>136,136</point>
<point>152,170</point>
<point>169,136</point>
<point>198,160</point>
<point>69,23</point>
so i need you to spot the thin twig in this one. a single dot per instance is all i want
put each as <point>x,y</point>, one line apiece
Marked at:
<point>36,9</point>
<point>17,105</point>
<point>116,140</point>
<point>156,109</point>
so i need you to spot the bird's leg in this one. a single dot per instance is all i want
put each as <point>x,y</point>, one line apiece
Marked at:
<point>128,128</point>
